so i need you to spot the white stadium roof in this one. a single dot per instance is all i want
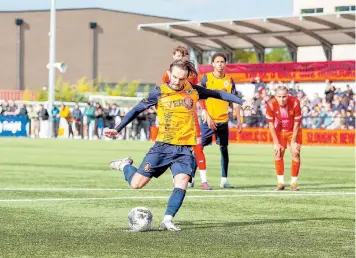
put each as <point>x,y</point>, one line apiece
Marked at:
<point>314,30</point>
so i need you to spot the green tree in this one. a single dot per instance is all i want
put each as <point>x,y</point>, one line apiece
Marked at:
<point>277,55</point>
<point>244,56</point>
<point>249,56</point>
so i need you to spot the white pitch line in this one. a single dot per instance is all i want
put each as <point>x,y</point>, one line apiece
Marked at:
<point>166,197</point>
<point>150,190</point>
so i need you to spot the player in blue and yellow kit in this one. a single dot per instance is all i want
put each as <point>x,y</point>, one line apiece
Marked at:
<point>176,136</point>
<point>217,110</point>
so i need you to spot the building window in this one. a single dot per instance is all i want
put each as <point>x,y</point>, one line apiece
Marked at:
<point>311,10</point>
<point>345,8</point>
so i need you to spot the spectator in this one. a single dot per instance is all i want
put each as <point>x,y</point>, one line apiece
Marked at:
<point>11,109</point>
<point>107,117</point>
<point>99,120</point>
<point>4,108</point>
<point>336,122</point>
<point>315,101</point>
<point>43,113</point>
<point>337,105</point>
<point>22,110</point>
<point>78,119</point>
<point>349,120</point>
<point>55,120</point>
<point>89,113</point>
<point>65,113</point>
<point>349,92</point>
<point>141,123</point>
<point>329,92</point>
<point>34,121</point>
<point>249,119</point>
<point>259,85</point>
<point>115,114</point>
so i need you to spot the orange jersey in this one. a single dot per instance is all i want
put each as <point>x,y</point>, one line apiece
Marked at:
<point>167,78</point>
<point>193,80</point>
<point>284,117</point>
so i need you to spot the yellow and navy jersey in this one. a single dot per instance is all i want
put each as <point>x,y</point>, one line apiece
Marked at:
<point>217,109</point>
<point>176,111</point>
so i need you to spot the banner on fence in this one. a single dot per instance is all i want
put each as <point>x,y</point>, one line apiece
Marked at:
<point>13,126</point>
<point>309,136</point>
<point>299,72</point>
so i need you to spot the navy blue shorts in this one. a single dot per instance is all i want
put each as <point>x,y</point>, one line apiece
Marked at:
<point>221,133</point>
<point>161,156</point>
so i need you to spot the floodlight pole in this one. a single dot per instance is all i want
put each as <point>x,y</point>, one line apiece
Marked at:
<point>51,68</point>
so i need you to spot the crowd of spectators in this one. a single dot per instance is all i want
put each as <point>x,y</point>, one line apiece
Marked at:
<point>82,121</point>
<point>335,109</point>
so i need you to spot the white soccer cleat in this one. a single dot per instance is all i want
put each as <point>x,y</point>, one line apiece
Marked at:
<point>119,164</point>
<point>168,225</point>
<point>224,183</point>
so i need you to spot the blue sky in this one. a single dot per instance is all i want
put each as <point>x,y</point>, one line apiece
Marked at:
<point>182,9</point>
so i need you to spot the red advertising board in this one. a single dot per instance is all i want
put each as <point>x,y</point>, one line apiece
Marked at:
<point>299,72</point>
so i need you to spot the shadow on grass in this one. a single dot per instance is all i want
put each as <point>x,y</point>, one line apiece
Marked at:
<point>191,225</point>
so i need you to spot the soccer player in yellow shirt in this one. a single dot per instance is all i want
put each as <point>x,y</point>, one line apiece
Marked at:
<point>218,111</point>
<point>176,135</point>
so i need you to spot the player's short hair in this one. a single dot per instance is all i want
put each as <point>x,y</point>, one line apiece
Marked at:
<point>181,49</point>
<point>185,65</point>
<point>282,88</point>
<point>219,55</point>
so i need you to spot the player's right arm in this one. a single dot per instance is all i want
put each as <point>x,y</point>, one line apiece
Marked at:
<point>270,119</point>
<point>151,100</point>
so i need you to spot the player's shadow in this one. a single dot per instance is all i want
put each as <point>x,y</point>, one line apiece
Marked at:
<point>271,186</point>
<point>208,224</point>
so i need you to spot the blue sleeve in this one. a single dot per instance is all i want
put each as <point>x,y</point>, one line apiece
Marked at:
<point>144,104</point>
<point>217,94</point>
<point>203,81</point>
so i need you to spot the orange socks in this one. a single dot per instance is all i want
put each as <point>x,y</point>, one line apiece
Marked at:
<point>200,157</point>
<point>279,164</point>
<point>295,168</point>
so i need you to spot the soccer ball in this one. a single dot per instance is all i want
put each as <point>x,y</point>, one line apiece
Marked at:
<point>140,219</point>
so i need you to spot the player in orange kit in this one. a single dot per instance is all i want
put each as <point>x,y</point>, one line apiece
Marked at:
<point>181,52</point>
<point>283,114</point>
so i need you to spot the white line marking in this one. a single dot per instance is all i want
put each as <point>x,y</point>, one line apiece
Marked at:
<point>151,190</point>
<point>166,197</point>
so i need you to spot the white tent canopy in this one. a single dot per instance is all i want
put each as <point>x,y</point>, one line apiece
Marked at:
<point>292,32</point>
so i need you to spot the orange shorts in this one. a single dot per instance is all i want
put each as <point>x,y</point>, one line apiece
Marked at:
<point>285,138</point>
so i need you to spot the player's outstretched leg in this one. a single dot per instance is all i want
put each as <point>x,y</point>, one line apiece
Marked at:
<point>175,202</point>
<point>134,179</point>
<point>224,166</point>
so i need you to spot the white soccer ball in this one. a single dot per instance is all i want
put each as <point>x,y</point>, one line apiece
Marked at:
<point>140,219</point>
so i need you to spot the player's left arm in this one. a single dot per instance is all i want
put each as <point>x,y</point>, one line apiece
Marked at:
<point>296,127</point>
<point>237,108</point>
<point>222,95</point>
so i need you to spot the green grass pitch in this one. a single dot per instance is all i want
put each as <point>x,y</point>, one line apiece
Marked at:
<point>59,199</point>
